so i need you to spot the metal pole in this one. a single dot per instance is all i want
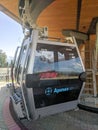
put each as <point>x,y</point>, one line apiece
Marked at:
<point>96,44</point>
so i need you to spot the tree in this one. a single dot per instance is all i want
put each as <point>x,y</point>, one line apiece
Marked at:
<point>3,58</point>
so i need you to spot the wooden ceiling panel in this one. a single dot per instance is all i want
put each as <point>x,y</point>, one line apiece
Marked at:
<point>89,10</point>
<point>59,15</point>
<point>10,8</point>
<point>11,5</point>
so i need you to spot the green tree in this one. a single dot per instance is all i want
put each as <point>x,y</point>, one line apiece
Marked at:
<point>3,58</point>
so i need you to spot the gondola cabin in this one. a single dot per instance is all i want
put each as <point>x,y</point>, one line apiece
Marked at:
<point>50,75</point>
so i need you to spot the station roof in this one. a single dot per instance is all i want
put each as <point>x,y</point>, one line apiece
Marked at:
<point>80,15</point>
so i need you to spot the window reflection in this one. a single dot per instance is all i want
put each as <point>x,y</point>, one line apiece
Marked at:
<point>54,61</point>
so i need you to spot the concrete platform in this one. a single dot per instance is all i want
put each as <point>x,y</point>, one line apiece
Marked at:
<point>7,121</point>
<point>71,120</point>
<point>90,101</point>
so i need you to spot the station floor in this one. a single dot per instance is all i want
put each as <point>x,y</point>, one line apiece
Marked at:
<point>71,120</point>
<point>6,120</point>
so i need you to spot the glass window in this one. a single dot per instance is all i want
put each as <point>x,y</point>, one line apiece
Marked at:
<point>21,62</point>
<point>57,61</point>
<point>16,62</point>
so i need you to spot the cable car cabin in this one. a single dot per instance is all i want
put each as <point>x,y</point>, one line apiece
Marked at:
<point>50,74</point>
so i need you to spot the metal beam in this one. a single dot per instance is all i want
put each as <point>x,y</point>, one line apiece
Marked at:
<point>79,2</point>
<point>30,11</point>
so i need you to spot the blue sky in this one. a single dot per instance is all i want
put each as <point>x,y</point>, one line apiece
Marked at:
<point>11,34</point>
